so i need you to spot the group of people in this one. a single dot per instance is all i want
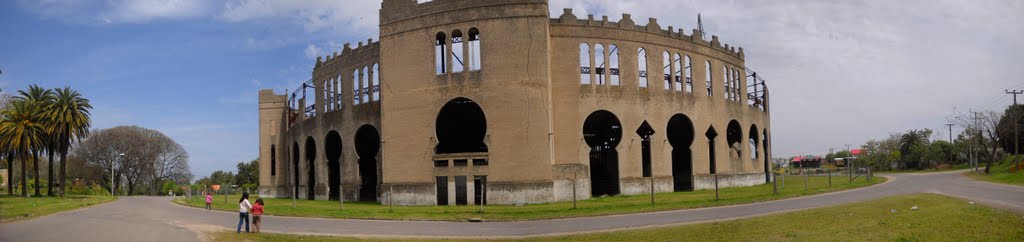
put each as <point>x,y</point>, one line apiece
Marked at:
<point>244,209</point>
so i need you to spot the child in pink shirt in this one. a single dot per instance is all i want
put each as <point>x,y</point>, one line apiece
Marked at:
<point>209,199</point>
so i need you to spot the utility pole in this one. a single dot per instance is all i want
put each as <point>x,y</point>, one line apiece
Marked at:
<point>973,152</point>
<point>849,163</point>
<point>1016,117</point>
<point>950,126</point>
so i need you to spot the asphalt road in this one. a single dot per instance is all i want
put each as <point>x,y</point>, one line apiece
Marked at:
<point>156,219</point>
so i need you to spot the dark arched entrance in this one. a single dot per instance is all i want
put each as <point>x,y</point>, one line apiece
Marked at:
<point>734,137</point>
<point>332,148</point>
<point>602,132</point>
<point>753,143</point>
<point>680,135</point>
<point>367,145</point>
<point>295,169</point>
<point>460,127</point>
<point>310,168</point>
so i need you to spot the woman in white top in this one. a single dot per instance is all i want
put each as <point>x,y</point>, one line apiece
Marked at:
<point>243,212</point>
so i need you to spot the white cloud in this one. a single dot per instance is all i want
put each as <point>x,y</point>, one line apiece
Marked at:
<point>116,11</point>
<point>313,15</point>
<point>312,51</point>
<point>133,11</point>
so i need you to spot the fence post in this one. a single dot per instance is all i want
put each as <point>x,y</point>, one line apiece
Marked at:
<point>775,184</point>
<point>652,191</point>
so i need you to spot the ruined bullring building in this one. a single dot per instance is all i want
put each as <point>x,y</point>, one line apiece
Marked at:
<point>463,102</point>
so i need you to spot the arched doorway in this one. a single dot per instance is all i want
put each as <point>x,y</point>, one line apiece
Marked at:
<point>332,148</point>
<point>295,169</point>
<point>680,135</point>
<point>734,137</point>
<point>752,137</point>
<point>602,132</point>
<point>460,127</point>
<point>367,145</point>
<point>310,168</point>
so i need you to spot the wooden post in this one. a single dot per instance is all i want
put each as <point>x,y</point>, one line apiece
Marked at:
<point>483,196</point>
<point>716,186</point>
<point>652,191</point>
<point>775,184</point>
<point>391,198</point>
<point>830,177</point>
<point>341,197</point>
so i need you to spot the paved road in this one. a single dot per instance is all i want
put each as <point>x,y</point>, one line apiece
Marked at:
<point>155,219</point>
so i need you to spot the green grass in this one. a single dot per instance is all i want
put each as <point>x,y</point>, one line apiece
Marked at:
<point>1000,173</point>
<point>16,208</point>
<point>939,218</point>
<point>794,187</point>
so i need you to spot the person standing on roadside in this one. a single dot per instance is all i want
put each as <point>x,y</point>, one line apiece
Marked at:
<point>243,212</point>
<point>209,200</point>
<point>257,212</point>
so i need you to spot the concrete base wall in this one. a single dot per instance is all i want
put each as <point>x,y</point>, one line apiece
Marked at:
<point>707,181</point>
<point>518,193</point>
<point>642,185</point>
<point>563,189</point>
<point>409,194</point>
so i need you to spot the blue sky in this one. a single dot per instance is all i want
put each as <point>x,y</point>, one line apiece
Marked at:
<point>840,72</point>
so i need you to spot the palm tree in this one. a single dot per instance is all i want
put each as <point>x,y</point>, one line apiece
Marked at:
<point>911,139</point>
<point>69,122</point>
<point>39,98</point>
<point>21,132</point>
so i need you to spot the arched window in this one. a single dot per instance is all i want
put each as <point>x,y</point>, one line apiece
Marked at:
<point>668,69</point>
<point>366,84</point>
<point>689,73</point>
<point>641,61</point>
<point>613,64</point>
<point>337,91</point>
<point>599,62</point>
<point>677,73</point>
<point>457,57</point>
<point>707,77</point>
<point>738,76</point>
<point>355,87</point>
<point>584,63</point>
<point>327,95</point>
<point>376,82</point>
<point>440,43</point>
<point>474,49</point>
<point>725,80</point>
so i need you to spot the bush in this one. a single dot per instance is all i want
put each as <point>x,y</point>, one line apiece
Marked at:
<point>93,190</point>
<point>168,186</point>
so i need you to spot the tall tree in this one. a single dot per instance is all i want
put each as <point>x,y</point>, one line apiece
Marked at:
<point>248,172</point>
<point>21,132</point>
<point>913,145</point>
<point>4,100</point>
<point>39,98</point>
<point>70,122</point>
